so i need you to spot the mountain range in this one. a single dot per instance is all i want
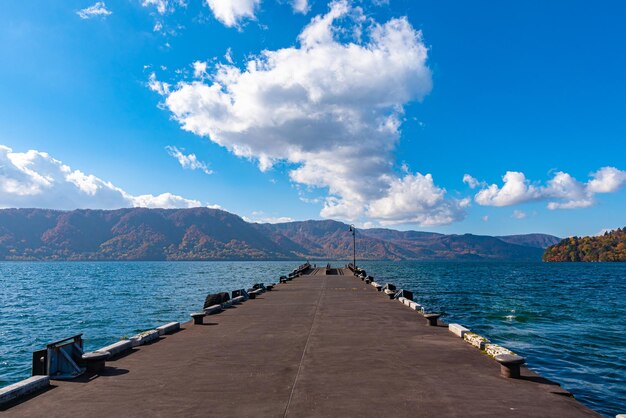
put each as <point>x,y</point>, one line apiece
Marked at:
<point>213,234</point>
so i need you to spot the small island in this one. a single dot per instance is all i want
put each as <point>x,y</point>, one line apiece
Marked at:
<point>611,246</point>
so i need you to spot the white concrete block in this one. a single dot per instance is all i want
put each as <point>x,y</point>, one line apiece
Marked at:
<point>401,299</point>
<point>144,337</point>
<point>168,328</point>
<point>458,330</point>
<point>213,309</point>
<point>238,299</point>
<point>23,388</point>
<point>118,347</point>
<point>475,340</point>
<point>415,306</point>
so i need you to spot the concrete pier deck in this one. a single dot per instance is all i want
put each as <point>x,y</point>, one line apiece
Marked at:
<point>315,346</point>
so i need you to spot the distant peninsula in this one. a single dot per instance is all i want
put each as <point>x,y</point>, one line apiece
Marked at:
<point>611,246</point>
<point>213,234</point>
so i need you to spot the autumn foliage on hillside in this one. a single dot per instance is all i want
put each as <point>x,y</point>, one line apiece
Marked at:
<point>608,247</point>
<point>213,234</point>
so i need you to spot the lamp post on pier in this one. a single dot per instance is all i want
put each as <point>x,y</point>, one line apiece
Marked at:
<point>353,230</point>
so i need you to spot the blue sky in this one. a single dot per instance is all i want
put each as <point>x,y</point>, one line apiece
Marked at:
<point>364,111</point>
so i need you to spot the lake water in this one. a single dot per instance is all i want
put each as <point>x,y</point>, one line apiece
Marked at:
<point>568,320</point>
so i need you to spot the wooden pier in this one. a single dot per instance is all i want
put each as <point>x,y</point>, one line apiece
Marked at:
<point>317,346</point>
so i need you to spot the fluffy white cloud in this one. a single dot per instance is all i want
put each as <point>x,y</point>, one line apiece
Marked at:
<point>99,9</point>
<point>300,6</point>
<point>34,179</point>
<point>164,200</point>
<point>416,199</point>
<point>189,161</point>
<point>563,191</point>
<point>232,12</point>
<point>571,193</point>
<point>516,189</point>
<point>331,107</point>
<point>607,180</point>
<point>199,69</point>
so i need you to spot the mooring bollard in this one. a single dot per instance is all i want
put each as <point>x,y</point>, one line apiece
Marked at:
<point>432,319</point>
<point>95,360</point>
<point>198,318</point>
<point>510,365</point>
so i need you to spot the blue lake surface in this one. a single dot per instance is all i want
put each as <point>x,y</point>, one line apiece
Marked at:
<point>568,320</point>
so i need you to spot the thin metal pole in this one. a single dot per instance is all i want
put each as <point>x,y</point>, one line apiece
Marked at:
<point>353,229</point>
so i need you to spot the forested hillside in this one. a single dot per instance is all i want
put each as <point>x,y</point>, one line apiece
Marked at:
<point>608,247</point>
<point>211,234</point>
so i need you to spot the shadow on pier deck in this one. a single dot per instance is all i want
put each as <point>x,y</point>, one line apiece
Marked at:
<point>320,345</point>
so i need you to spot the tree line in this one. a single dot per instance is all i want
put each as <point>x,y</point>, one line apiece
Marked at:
<point>611,246</point>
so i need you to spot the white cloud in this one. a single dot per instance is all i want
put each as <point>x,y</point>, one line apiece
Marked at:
<point>267,220</point>
<point>199,69</point>
<point>300,6</point>
<point>471,181</point>
<point>188,161</point>
<point>331,109</point>
<point>416,199</point>
<point>164,200</point>
<point>232,12</point>
<point>99,9</point>
<point>465,202</point>
<point>519,214</point>
<point>516,189</point>
<point>228,56</point>
<point>164,6</point>
<point>161,88</point>
<point>571,193</point>
<point>607,180</point>
<point>34,179</point>
<point>563,191</point>
<point>161,5</point>
<point>485,218</point>
<point>571,204</point>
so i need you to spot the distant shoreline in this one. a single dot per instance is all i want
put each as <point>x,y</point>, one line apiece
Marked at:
<point>204,234</point>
